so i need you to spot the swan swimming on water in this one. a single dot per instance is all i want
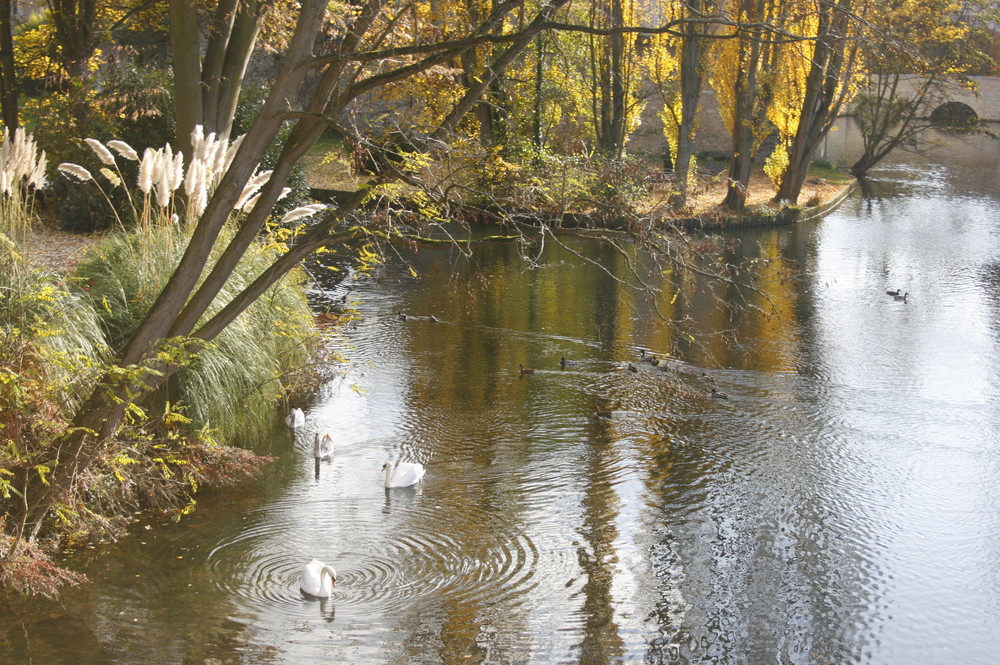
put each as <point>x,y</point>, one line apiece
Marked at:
<point>405,474</point>
<point>295,419</point>
<point>318,579</point>
<point>323,446</point>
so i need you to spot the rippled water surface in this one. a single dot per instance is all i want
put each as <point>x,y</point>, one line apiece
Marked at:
<point>842,506</point>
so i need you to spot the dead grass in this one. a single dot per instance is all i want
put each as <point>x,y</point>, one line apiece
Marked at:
<point>49,246</point>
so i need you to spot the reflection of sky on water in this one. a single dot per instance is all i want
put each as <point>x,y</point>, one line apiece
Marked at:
<point>841,506</point>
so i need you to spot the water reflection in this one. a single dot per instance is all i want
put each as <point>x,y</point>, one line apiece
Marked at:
<point>841,506</point>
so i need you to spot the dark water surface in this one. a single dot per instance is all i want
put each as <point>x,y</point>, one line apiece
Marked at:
<point>842,506</point>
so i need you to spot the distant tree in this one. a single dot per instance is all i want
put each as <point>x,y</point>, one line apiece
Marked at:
<point>679,68</point>
<point>76,29</point>
<point>918,56</point>
<point>742,80</point>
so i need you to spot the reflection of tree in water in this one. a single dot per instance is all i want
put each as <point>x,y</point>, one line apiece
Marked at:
<point>740,578</point>
<point>598,558</point>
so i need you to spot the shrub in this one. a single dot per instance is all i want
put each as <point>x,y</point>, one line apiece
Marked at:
<point>60,118</point>
<point>137,108</point>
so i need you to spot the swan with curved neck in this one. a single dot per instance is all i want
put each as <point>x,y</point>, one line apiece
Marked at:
<point>405,474</point>
<point>318,579</point>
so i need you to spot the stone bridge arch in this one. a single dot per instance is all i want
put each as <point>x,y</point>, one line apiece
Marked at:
<point>985,103</point>
<point>954,115</point>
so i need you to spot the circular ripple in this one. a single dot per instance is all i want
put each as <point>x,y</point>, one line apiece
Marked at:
<point>379,564</point>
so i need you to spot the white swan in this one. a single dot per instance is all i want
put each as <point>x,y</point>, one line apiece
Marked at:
<point>323,446</point>
<point>295,419</point>
<point>405,474</point>
<point>318,579</point>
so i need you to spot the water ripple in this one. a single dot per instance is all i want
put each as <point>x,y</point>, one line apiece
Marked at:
<point>425,557</point>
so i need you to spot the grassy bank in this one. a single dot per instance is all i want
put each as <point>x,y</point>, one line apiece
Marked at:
<point>56,335</point>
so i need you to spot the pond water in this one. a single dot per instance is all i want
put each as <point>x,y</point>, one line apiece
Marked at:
<point>841,506</point>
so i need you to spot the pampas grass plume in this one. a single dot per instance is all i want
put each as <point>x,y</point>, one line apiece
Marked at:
<point>19,158</point>
<point>249,190</point>
<point>75,170</point>
<point>301,212</point>
<point>146,168</point>
<point>124,149</point>
<point>111,176</point>
<point>37,178</point>
<point>103,153</point>
<point>177,172</point>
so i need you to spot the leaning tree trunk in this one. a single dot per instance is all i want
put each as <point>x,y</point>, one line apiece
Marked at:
<point>833,62</point>
<point>168,332</point>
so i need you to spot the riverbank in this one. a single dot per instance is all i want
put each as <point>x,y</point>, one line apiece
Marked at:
<point>57,249</point>
<point>819,196</point>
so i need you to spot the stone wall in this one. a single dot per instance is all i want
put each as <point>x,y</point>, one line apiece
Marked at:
<point>711,137</point>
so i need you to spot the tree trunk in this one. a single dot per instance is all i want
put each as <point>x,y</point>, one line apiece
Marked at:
<point>74,21</point>
<point>693,47</point>
<point>833,62</point>
<point>738,182</point>
<point>219,115</point>
<point>186,56</point>
<point>8,74</point>
<point>208,91</point>
<point>536,121</point>
<point>745,92</point>
<point>619,92</point>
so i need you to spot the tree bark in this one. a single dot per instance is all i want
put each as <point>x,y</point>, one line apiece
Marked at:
<point>74,21</point>
<point>219,115</point>
<point>9,88</point>
<point>693,48</point>
<point>745,94</point>
<point>833,62</point>
<point>186,58</point>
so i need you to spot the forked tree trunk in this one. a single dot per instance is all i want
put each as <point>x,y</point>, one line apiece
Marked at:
<point>207,90</point>
<point>188,294</point>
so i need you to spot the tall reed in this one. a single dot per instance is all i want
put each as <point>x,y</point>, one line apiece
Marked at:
<point>234,383</point>
<point>22,171</point>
